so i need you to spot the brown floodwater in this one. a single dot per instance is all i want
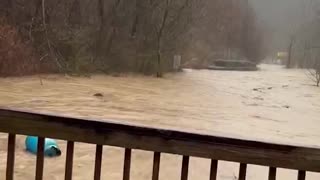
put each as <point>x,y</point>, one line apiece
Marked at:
<point>273,104</point>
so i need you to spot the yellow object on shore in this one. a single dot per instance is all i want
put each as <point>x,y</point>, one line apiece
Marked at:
<point>282,55</point>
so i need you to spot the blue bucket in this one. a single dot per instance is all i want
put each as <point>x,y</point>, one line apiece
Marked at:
<point>51,148</point>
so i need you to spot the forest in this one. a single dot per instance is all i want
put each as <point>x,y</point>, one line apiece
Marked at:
<point>119,36</point>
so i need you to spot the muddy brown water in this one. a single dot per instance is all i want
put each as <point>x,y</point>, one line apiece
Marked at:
<point>273,104</point>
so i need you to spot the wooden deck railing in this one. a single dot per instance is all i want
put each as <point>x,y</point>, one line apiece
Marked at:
<point>158,141</point>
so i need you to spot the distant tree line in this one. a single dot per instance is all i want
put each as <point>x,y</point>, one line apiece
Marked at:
<point>227,29</point>
<point>87,36</point>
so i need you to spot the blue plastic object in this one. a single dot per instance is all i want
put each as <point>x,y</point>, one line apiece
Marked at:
<point>51,148</point>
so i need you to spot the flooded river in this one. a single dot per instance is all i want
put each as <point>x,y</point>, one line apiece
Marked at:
<point>273,104</point>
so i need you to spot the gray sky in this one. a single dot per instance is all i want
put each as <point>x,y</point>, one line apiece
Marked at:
<point>278,12</point>
<point>280,16</point>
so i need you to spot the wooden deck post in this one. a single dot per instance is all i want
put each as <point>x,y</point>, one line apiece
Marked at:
<point>243,171</point>
<point>69,161</point>
<point>98,162</point>
<point>127,164</point>
<point>213,169</point>
<point>272,173</point>
<point>40,158</point>
<point>185,168</point>
<point>156,166</point>
<point>10,156</point>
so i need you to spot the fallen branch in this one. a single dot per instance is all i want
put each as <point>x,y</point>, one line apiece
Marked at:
<point>41,59</point>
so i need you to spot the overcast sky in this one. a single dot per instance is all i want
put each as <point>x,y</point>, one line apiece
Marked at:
<point>281,16</point>
<point>276,12</point>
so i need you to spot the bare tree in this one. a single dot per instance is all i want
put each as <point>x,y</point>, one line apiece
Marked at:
<point>315,75</point>
<point>314,70</point>
<point>290,51</point>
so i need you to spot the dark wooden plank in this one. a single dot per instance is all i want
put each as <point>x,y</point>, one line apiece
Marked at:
<point>156,166</point>
<point>213,169</point>
<point>301,175</point>
<point>127,164</point>
<point>69,161</point>
<point>243,171</point>
<point>160,140</point>
<point>272,173</point>
<point>40,158</point>
<point>10,156</point>
<point>185,168</point>
<point>98,162</point>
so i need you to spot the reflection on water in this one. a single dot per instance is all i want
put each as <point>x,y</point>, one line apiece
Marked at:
<point>271,104</point>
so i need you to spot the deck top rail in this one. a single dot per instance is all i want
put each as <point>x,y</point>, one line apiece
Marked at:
<point>160,140</point>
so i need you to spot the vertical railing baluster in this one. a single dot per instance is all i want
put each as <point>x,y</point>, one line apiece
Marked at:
<point>127,164</point>
<point>40,158</point>
<point>272,173</point>
<point>243,171</point>
<point>213,169</point>
<point>98,162</point>
<point>301,175</point>
<point>156,165</point>
<point>185,168</point>
<point>10,156</point>
<point>69,161</point>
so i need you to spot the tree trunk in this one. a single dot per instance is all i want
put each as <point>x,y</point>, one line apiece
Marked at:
<point>159,65</point>
<point>100,39</point>
<point>136,19</point>
<point>318,76</point>
<point>159,69</point>
<point>104,46</point>
<point>289,63</point>
<point>9,10</point>
<point>75,13</point>
<point>289,56</point>
<point>303,62</point>
<point>245,30</point>
<point>159,39</point>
